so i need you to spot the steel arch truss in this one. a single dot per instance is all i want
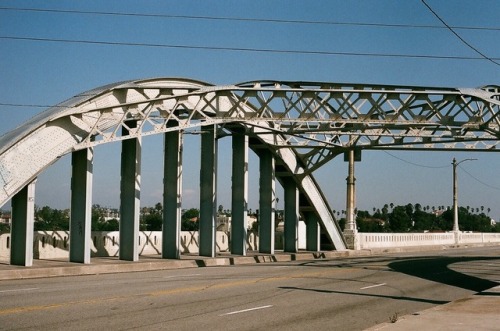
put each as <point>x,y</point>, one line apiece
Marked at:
<point>304,124</point>
<point>318,120</point>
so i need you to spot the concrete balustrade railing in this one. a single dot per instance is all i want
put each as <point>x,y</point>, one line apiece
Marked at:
<point>55,244</point>
<point>388,240</point>
<point>471,238</point>
<point>383,240</point>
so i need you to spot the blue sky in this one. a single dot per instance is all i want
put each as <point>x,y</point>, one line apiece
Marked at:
<point>45,73</point>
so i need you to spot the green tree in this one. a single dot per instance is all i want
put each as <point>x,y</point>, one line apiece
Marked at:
<point>342,222</point>
<point>190,220</point>
<point>153,222</point>
<point>110,225</point>
<point>48,219</point>
<point>399,220</point>
<point>4,228</point>
<point>424,221</point>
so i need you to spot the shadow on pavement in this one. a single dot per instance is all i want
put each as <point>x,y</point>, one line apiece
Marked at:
<point>435,302</point>
<point>438,269</point>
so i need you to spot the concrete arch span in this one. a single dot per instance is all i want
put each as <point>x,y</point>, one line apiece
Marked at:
<point>132,109</point>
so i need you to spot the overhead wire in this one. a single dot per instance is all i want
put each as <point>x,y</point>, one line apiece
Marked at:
<point>3,104</point>
<point>241,49</point>
<point>478,180</point>
<point>442,167</point>
<point>459,37</point>
<point>416,164</point>
<point>237,49</point>
<point>242,19</point>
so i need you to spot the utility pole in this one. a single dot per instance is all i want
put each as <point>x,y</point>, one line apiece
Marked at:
<point>455,193</point>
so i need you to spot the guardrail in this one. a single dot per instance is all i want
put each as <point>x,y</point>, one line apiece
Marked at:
<point>387,240</point>
<point>55,244</point>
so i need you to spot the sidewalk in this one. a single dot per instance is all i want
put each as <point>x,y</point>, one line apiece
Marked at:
<point>477,312</point>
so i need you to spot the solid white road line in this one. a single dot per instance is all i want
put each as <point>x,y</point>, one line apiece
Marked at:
<point>179,276</point>
<point>21,289</point>
<point>372,286</point>
<point>246,310</point>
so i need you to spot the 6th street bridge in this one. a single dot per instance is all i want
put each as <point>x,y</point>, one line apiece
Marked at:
<point>293,127</point>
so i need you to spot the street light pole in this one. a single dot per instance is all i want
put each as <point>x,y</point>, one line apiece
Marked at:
<point>455,193</point>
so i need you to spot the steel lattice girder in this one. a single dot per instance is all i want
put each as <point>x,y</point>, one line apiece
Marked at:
<point>318,120</point>
<point>304,124</point>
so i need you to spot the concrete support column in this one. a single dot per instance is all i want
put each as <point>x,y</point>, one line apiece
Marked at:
<point>267,198</point>
<point>291,230</point>
<point>23,219</point>
<point>239,191</point>
<point>313,231</point>
<point>130,194</point>
<point>172,195</point>
<point>81,205</point>
<point>208,189</point>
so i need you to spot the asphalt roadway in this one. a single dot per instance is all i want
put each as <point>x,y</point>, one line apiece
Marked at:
<point>452,288</point>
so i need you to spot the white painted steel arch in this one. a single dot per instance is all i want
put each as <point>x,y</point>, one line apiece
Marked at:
<point>97,116</point>
<point>304,124</point>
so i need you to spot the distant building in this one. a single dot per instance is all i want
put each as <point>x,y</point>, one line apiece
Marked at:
<point>5,218</point>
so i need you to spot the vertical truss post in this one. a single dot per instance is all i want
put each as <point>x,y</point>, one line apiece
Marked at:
<point>81,205</point>
<point>351,231</point>
<point>291,230</point>
<point>351,194</point>
<point>172,195</point>
<point>312,232</point>
<point>23,219</point>
<point>130,195</point>
<point>239,194</point>
<point>267,198</point>
<point>208,189</point>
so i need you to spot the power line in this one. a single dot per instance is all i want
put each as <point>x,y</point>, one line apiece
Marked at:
<point>458,36</point>
<point>242,49</point>
<point>2,104</point>
<point>479,181</point>
<point>242,19</point>
<point>416,164</point>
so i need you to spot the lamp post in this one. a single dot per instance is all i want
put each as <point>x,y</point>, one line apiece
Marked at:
<point>455,193</point>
